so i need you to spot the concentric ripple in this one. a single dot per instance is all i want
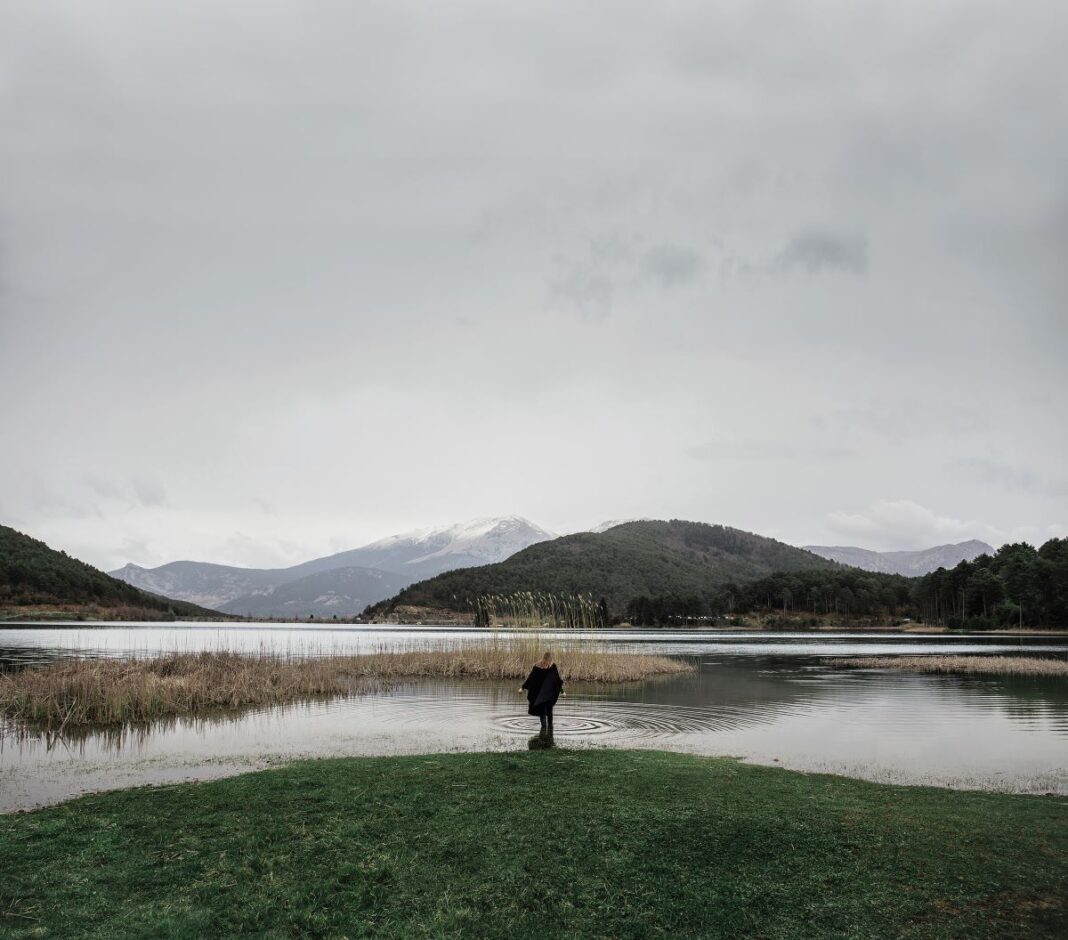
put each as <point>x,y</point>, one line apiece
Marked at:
<point>572,724</point>
<point>637,719</point>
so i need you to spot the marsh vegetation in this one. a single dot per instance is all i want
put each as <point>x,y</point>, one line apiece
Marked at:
<point>538,609</point>
<point>108,692</point>
<point>963,665</point>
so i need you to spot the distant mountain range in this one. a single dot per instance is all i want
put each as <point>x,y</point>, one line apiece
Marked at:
<point>446,567</point>
<point>344,583</point>
<point>910,564</point>
<point>348,582</point>
<point>39,579</point>
<point>620,563</point>
<point>341,591</point>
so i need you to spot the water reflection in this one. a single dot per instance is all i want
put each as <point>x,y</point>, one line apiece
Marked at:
<point>752,700</point>
<point>28,645</point>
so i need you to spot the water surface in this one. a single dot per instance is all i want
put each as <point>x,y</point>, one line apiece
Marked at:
<point>766,697</point>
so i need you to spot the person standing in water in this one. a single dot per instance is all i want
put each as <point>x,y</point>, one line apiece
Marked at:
<point>543,687</point>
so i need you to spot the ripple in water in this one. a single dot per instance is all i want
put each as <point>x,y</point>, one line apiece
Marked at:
<point>578,716</point>
<point>638,719</point>
<point>572,724</point>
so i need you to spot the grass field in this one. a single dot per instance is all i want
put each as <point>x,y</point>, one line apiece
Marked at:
<point>537,844</point>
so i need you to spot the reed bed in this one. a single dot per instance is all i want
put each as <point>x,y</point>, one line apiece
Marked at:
<point>539,609</point>
<point>963,665</point>
<point>111,692</point>
<point>512,661</point>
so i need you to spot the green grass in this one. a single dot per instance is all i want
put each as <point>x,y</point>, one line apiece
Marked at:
<point>539,844</point>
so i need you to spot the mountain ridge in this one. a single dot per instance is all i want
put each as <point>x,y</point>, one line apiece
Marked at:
<point>652,558</point>
<point>341,592</point>
<point>389,564</point>
<point>907,563</point>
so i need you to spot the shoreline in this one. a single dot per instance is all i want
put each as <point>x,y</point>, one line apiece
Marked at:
<point>764,627</point>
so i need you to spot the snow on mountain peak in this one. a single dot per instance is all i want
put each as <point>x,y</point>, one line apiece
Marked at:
<point>464,532</point>
<point>488,539</point>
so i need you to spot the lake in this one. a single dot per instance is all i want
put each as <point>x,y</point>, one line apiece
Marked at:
<point>774,698</point>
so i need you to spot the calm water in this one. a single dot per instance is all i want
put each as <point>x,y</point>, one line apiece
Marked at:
<point>770,698</point>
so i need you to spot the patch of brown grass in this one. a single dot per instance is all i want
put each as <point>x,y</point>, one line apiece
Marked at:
<point>119,691</point>
<point>109,692</point>
<point>963,665</point>
<point>512,660</point>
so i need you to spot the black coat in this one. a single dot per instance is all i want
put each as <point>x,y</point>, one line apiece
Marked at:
<point>543,688</point>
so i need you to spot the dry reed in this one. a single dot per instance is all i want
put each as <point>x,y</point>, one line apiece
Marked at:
<point>511,661</point>
<point>108,692</point>
<point>964,665</point>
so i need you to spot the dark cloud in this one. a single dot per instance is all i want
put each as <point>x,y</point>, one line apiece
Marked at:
<point>616,265</point>
<point>814,252</point>
<point>671,265</point>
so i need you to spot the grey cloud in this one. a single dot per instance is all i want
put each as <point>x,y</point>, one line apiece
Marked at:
<point>149,491</point>
<point>102,487</point>
<point>902,419</point>
<point>100,494</point>
<point>671,264</point>
<point>756,449</point>
<point>615,265</point>
<point>584,288</point>
<point>742,450</point>
<point>815,252</point>
<point>378,265</point>
<point>588,282</point>
<point>992,470</point>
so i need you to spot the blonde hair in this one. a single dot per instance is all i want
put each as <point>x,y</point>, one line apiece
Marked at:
<point>546,659</point>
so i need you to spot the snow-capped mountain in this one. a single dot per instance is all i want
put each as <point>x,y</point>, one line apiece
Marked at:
<point>478,542</point>
<point>386,566</point>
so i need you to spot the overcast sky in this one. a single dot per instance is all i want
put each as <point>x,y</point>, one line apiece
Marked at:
<point>280,278</point>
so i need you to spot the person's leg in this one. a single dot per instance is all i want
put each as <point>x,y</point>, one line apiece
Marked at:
<point>549,716</point>
<point>544,719</point>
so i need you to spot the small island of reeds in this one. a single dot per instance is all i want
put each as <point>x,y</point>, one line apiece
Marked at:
<point>963,665</point>
<point>109,692</point>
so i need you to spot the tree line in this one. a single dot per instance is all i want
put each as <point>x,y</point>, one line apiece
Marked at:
<point>1018,585</point>
<point>846,592</point>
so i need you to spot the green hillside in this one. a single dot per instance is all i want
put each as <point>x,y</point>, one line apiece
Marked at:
<point>627,561</point>
<point>34,577</point>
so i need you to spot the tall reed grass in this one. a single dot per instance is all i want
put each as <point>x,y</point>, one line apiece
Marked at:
<point>535,609</point>
<point>103,692</point>
<point>963,665</point>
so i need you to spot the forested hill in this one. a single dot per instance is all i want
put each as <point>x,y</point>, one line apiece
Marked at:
<point>630,560</point>
<point>1018,585</point>
<point>34,576</point>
